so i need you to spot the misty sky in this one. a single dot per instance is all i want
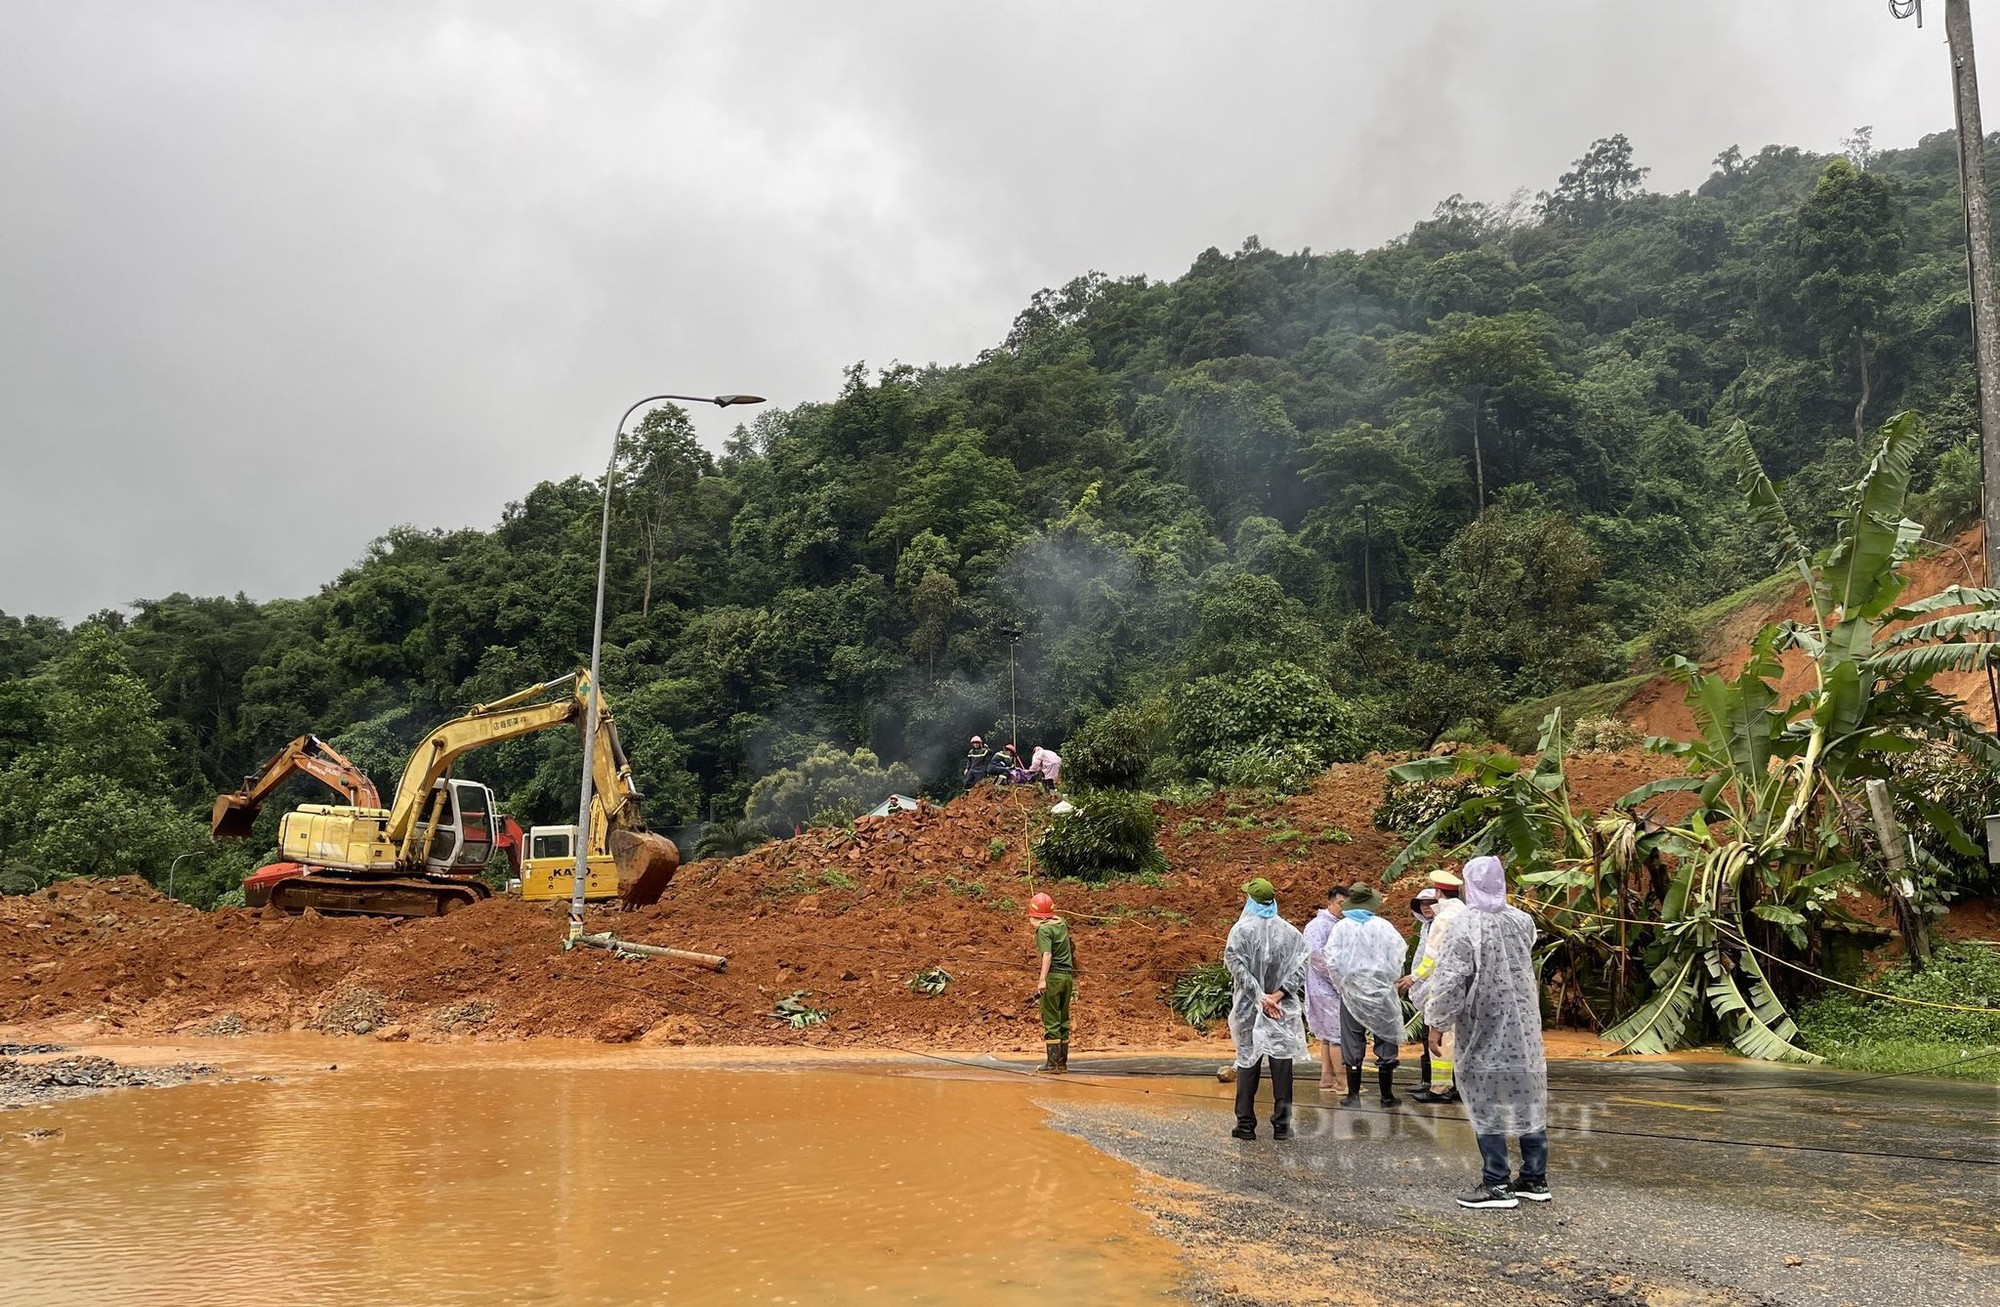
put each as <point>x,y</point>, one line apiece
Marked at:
<point>275,277</point>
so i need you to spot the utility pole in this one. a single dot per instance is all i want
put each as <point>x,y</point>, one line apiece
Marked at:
<point>1979,256</point>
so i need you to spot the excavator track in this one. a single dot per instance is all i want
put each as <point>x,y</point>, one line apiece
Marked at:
<point>333,893</point>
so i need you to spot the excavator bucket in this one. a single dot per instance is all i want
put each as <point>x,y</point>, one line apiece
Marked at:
<point>646,865</point>
<point>232,817</point>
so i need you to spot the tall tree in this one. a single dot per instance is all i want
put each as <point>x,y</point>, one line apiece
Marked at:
<point>1599,182</point>
<point>1370,477</point>
<point>1850,242</point>
<point>1485,364</point>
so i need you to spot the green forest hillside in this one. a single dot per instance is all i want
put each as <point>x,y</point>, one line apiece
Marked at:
<point>1275,512</point>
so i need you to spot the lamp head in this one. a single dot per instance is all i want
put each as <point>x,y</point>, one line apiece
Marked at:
<point>724,401</point>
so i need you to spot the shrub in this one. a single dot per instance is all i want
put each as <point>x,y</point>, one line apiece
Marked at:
<point>1602,735</point>
<point>1851,1028</point>
<point>727,839</point>
<point>1110,836</point>
<point>1203,996</point>
<point>1116,748</point>
<point>1938,776</point>
<point>1289,769</point>
<point>1673,635</point>
<point>1277,708</point>
<point>1409,806</point>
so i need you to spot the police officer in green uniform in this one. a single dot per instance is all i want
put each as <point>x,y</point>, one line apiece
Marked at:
<point>1057,985</point>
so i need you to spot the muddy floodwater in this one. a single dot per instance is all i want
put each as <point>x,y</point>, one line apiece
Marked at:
<point>563,1175</point>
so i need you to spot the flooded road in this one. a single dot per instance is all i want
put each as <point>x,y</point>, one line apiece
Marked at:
<point>574,1175</point>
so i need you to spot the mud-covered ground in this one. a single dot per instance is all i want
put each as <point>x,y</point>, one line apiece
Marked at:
<point>1675,1183</point>
<point>849,920</point>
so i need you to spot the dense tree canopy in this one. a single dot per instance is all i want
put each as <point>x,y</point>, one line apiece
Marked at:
<point>1393,488</point>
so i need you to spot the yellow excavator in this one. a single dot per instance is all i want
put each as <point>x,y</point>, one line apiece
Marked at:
<point>421,856</point>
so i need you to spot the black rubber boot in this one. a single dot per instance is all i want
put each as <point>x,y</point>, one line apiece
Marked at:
<point>1049,1066</point>
<point>1385,1076</point>
<point>1062,1058</point>
<point>1353,1098</point>
<point>1246,1100</point>
<point>1281,1098</point>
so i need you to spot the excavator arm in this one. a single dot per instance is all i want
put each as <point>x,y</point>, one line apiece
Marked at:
<point>646,862</point>
<point>235,813</point>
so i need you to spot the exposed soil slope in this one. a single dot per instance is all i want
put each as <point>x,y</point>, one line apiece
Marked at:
<point>849,921</point>
<point>1659,707</point>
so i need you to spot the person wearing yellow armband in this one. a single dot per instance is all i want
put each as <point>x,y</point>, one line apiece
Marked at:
<point>1436,1068</point>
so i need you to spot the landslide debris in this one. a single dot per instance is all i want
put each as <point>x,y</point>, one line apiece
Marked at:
<point>848,918</point>
<point>26,1083</point>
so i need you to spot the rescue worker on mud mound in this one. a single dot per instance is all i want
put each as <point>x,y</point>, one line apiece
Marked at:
<point>976,760</point>
<point>1266,958</point>
<point>1057,987</point>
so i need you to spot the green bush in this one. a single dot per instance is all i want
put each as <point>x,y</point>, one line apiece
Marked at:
<point>1203,996</point>
<point>1274,709</point>
<point>1409,806</point>
<point>1110,836</point>
<point>1674,634</point>
<point>1869,1033</point>
<point>1939,776</point>
<point>1116,748</point>
<point>1289,769</point>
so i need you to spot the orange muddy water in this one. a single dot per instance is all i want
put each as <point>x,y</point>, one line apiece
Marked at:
<point>562,1174</point>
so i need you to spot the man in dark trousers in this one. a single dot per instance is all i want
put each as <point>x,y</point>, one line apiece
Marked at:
<point>1266,957</point>
<point>976,762</point>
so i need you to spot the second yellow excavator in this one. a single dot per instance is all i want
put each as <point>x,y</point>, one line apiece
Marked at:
<point>421,856</point>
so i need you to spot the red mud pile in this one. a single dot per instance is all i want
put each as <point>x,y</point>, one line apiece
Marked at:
<point>849,921</point>
<point>1659,707</point>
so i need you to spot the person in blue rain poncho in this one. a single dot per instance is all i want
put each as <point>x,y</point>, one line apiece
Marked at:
<point>1484,990</point>
<point>1266,958</point>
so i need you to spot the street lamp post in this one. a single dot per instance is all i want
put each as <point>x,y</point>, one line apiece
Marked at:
<point>173,867</point>
<point>597,642</point>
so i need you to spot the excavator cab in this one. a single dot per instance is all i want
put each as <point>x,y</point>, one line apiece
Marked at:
<point>462,837</point>
<point>550,869</point>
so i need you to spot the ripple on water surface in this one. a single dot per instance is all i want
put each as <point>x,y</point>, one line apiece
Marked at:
<point>512,1182</point>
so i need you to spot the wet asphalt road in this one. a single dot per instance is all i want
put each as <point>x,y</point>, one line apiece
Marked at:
<point>1726,1182</point>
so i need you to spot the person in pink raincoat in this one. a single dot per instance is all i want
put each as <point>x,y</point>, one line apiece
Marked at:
<point>1322,998</point>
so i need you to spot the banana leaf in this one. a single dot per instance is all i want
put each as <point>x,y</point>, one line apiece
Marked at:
<point>1766,508</point>
<point>1954,626</point>
<point>1861,570</point>
<point>1423,840</point>
<point>1952,596</point>
<point>1926,661</point>
<point>1660,1024</point>
<point>1665,785</point>
<point>1748,1022</point>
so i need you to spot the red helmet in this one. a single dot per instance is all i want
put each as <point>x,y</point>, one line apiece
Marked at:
<point>1041,906</point>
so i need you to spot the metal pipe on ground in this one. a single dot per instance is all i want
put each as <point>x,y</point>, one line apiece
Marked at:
<point>623,948</point>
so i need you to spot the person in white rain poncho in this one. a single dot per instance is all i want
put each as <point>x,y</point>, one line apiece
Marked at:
<point>1322,999</point>
<point>1447,885</point>
<point>1484,989</point>
<point>1266,957</point>
<point>1365,954</point>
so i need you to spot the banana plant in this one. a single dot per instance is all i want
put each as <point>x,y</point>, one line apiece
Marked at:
<point>1770,836</point>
